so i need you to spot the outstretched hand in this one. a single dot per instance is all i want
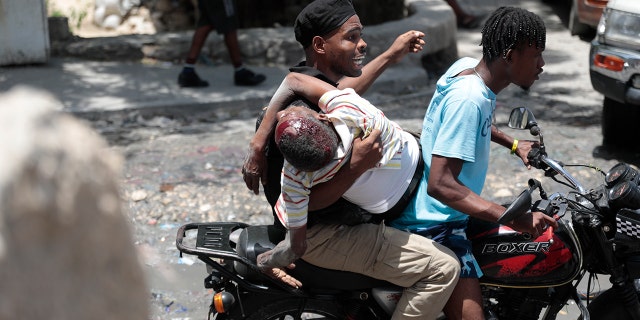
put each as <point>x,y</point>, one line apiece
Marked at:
<point>278,273</point>
<point>408,42</point>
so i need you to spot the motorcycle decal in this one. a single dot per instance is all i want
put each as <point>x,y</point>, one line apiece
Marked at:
<point>527,259</point>
<point>517,247</point>
<point>628,227</point>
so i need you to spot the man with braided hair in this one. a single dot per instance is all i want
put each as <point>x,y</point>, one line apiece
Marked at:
<point>455,139</point>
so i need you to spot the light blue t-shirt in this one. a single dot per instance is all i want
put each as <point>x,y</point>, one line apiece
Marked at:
<point>457,124</point>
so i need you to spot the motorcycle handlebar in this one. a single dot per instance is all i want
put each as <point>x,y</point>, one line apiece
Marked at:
<point>538,159</point>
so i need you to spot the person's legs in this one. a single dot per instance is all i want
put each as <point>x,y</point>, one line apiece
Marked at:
<point>427,270</point>
<point>188,77</point>
<point>466,301</point>
<point>465,20</point>
<point>197,42</point>
<point>242,75</point>
<point>226,23</point>
<point>219,15</point>
<point>233,47</point>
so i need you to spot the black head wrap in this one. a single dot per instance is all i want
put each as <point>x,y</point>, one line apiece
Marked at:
<point>321,17</point>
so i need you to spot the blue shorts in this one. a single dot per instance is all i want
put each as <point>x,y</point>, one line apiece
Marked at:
<point>453,236</point>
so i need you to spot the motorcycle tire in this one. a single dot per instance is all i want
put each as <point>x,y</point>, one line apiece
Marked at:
<point>607,306</point>
<point>290,308</point>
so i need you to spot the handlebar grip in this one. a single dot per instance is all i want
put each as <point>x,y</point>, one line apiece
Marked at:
<point>535,158</point>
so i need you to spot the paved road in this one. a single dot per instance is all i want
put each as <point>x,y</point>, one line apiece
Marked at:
<point>177,172</point>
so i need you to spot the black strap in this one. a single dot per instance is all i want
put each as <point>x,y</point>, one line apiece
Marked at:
<point>397,209</point>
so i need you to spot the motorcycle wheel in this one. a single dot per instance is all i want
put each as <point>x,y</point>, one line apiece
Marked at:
<point>289,310</point>
<point>607,306</point>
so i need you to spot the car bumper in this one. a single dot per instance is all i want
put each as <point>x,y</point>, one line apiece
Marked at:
<point>616,85</point>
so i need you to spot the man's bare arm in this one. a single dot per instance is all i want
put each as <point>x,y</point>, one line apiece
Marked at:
<point>283,255</point>
<point>408,42</point>
<point>445,186</point>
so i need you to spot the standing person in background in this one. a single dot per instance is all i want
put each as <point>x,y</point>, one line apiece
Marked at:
<point>456,135</point>
<point>219,15</point>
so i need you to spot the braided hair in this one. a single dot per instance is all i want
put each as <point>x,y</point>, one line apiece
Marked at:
<point>510,28</point>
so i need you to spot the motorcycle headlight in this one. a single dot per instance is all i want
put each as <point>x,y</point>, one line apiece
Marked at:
<point>619,28</point>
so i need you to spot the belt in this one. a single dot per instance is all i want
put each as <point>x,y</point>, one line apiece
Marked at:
<point>397,209</point>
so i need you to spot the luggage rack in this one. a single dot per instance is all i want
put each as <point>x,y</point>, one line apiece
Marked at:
<point>213,241</point>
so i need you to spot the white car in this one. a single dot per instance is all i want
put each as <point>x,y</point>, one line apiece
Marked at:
<point>615,72</point>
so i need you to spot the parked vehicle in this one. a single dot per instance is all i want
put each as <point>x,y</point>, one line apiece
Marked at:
<point>585,15</point>
<point>614,64</point>
<point>524,278</point>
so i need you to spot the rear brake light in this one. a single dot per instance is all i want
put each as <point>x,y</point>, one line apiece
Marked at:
<point>597,3</point>
<point>608,62</point>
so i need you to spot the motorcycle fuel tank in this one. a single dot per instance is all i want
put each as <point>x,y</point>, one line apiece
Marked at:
<point>509,258</point>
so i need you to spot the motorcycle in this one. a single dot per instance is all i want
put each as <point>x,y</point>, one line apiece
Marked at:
<point>524,278</point>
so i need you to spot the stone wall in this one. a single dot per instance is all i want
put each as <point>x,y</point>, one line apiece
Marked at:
<point>177,15</point>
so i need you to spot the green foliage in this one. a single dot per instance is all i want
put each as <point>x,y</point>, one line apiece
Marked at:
<point>76,14</point>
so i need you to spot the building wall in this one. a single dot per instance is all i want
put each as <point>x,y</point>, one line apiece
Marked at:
<point>23,32</point>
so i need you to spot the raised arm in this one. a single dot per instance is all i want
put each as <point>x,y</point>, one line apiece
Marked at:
<point>408,42</point>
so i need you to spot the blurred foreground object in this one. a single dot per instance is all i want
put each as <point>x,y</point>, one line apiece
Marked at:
<point>66,250</point>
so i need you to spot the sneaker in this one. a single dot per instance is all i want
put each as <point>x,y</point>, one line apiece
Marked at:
<point>246,77</point>
<point>190,79</point>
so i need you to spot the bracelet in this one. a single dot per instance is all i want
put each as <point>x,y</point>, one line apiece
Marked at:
<point>514,146</point>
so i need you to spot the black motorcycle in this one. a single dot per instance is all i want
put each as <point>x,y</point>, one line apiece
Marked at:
<point>524,277</point>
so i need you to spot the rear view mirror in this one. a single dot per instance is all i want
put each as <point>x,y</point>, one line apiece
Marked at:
<point>522,118</point>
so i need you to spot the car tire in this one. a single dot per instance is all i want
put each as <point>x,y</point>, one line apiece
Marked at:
<point>576,27</point>
<point>619,125</point>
